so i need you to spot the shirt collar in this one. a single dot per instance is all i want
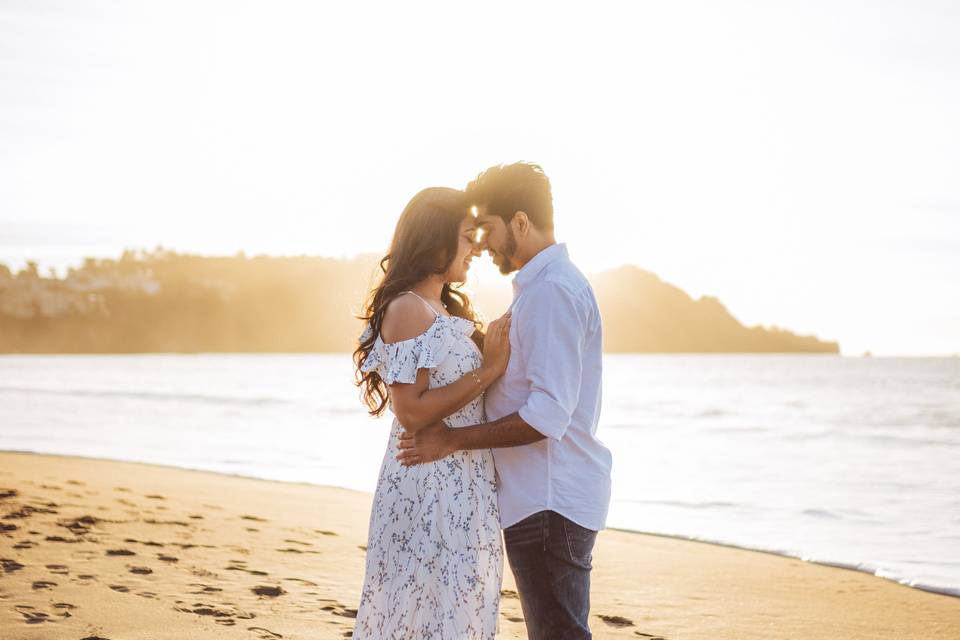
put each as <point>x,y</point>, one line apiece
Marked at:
<point>529,272</point>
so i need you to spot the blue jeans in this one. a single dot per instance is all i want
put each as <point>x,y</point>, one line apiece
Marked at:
<point>550,557</point>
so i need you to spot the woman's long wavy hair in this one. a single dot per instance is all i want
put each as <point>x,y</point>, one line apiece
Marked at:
<point>425,242</point>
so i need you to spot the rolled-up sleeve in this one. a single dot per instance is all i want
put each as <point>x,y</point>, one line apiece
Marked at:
<point>550,332</point>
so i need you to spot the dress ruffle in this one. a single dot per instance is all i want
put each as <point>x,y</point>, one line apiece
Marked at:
<point>399,361</point>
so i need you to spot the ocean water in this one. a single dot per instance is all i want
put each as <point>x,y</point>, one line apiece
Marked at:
<point>852,462</point>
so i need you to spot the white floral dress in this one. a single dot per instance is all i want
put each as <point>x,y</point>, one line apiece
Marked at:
<point>434,558</point>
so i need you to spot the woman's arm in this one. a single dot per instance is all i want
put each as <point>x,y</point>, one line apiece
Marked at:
<point>415,404</point>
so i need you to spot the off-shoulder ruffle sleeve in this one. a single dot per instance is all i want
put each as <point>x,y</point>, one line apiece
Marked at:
<point>399,361</point>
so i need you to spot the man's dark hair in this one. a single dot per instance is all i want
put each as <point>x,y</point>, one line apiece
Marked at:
<point>506,189</point>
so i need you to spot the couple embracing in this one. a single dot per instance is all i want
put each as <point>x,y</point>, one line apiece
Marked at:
<point>492,430</point>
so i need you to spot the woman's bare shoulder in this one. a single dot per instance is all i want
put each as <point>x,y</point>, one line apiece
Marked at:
<point>405,317</point>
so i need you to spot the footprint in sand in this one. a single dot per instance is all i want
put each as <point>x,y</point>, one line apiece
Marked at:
<point>8,493</point>
<point>649,636</point>
<point>30,614</point>
<point>120,552</point>
<point>254,518</point>
<point>9,566</point>
<point>120,588</point>
<point>179,523</point>
<point>292,550</point>
<point>220,616</point>
<point>79,526</point>
<point>25,544</point>
<point>40,585</point>
<point>338,609</point>
<point>264,634</point>
<point>165,558</point>
<point>263,590</point>
<point>235,565</point>
<point>302,581</point>
<point>203,573</point>
<point>204,588</point>
<point>8,527</point>
<point>61,569</point>
<point>616,621</point>
<point>28,510</point>
<point>149,543</point>
<point>141,570</point>
<point>77,482</point>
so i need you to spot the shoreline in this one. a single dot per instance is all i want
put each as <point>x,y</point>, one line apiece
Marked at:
<point>944,591</point>
<point>130,550</point>
<point>846,356</point>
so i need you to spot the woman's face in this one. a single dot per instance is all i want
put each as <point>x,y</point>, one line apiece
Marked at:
<point>467,248</point>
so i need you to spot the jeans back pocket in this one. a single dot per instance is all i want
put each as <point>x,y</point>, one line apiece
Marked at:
<point>580,541</point>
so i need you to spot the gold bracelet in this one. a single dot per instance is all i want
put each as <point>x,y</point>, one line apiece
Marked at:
<point>479,382</point>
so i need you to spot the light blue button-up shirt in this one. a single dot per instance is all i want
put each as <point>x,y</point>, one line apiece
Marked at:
<point>553,380</point>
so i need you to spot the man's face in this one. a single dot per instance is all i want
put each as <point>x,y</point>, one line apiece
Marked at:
<point>498,240</point>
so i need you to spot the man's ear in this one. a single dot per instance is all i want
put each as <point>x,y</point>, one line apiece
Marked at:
<point>523,222</point>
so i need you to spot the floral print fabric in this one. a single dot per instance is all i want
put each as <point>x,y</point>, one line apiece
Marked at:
<point>434,557</point>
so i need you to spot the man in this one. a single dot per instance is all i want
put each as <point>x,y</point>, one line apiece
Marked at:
<point>553,473</point>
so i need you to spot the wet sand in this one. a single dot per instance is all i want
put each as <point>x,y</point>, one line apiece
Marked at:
<point>114,550</point>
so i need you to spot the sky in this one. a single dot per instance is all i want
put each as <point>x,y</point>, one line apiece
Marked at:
<point>798,160</point>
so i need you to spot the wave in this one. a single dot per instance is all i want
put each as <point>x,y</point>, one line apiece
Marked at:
<point>687,505</point>
<point>822,513</point>
<point>149,395</point>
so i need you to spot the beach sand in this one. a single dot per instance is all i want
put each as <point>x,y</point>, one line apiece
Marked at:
<point>114,550</point>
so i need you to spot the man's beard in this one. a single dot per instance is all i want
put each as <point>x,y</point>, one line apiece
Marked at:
<point>509,248</point>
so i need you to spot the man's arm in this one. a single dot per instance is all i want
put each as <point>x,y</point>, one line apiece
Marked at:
<point>508,431</point>
<point>550,334</point>
<point>438,440</point>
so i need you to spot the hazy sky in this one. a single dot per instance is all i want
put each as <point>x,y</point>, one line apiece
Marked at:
<point>801,161</point>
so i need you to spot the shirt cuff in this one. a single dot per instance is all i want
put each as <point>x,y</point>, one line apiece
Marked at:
<point>544,414</point>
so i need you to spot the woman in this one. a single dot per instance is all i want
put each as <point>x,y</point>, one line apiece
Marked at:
<point>434,559</point>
